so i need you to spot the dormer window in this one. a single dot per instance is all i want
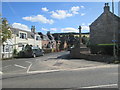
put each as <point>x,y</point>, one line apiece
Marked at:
<point>23,35</point>
<point>37,37</point>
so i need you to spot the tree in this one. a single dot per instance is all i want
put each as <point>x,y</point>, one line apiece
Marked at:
<point>6,33</point>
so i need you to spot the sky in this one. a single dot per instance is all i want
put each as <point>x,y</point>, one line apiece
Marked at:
<point>56,17</point>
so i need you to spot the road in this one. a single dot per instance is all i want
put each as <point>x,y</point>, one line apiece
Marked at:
<point>61,73</point>
<point>22,64</point>
<point>102,77</point>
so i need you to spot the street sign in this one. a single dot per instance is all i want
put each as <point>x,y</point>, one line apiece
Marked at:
<point>114,40</point>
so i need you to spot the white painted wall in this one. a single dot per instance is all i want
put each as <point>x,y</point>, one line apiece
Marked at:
<point>16,40</point>
<point>15,43</point>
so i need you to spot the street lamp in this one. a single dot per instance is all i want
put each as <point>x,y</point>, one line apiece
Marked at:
<point>79,35</point>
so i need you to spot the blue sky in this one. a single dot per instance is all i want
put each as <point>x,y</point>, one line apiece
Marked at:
<point>56,17</point>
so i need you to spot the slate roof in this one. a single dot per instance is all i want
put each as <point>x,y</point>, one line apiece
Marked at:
<point>16,31</point>
<point>110,15</point>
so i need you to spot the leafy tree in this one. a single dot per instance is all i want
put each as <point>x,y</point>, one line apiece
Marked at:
<point>0,29</point>
<point>6,33</point>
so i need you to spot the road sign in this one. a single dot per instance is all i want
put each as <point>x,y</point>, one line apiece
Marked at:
<point>114,40</point>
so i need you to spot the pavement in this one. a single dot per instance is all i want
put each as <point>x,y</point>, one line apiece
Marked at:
<point>59,64</point>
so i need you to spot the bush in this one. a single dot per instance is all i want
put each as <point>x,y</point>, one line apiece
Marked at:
<point>15,53</point>
<point>21,54</point>
<point>94,49</point>
<point>106,49</point>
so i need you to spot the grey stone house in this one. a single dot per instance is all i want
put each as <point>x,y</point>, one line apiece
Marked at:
<point>102,30</point>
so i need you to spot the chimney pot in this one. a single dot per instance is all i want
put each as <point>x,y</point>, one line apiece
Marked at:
<point>106,7</point>
<point>33,29</point>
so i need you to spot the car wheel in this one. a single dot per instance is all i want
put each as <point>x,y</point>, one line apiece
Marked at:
<point>34,55</point>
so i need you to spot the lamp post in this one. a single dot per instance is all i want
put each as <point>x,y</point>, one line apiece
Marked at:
<point>79,35</point>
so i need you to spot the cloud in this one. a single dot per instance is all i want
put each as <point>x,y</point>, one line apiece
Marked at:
<point>85,28</point>
<point>53,29</point>
<point>69,29</point>
<point>21,26</point>
<point>82,14</point>
<point>38,18</point>
<point>44,29</point>
<point>82,6</point>
<point>75,9</point>
<point>83,24</point>
<point>45,9</point>
<point>60,14</point>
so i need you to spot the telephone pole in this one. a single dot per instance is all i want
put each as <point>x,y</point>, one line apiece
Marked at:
<point>114,36</point>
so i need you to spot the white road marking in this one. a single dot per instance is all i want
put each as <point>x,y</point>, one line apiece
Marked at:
<point>6,66</point>
<point>45,71</point>
<point>100,86</point>
<point>19,66</point>
<point>28,62</point>
<point>29,66</point>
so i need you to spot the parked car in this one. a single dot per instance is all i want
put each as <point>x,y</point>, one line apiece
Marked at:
<point>32,52</point>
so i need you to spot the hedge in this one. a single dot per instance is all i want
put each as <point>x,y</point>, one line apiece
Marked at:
<point>103,49</point>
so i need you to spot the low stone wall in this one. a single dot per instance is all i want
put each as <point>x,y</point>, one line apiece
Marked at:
<point>76,54</point>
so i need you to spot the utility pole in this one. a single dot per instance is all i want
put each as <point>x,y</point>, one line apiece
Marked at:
<point>114,36</point>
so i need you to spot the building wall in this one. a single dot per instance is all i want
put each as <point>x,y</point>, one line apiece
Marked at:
<point>45,43</point>
<point>103,29</point>
<point>7,49</point>
<point>19,42</point>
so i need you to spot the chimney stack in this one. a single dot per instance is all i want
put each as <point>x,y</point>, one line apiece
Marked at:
<point>33,29</point>
<point>106,7</point>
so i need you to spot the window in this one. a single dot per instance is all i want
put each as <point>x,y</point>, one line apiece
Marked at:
<point>7,48</point>
<point>37,38</point>
<point>23,35</point>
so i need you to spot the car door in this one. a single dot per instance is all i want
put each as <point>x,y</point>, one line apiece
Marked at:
<point>40,52</point>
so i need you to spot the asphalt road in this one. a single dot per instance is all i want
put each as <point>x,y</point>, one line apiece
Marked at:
<point>101,77</point>
<point>22,64</point>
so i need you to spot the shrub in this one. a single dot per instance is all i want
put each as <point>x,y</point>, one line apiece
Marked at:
<point>106,49</point>
<point>94,49</point>
<point>21,54</point>
<point>15,53</point>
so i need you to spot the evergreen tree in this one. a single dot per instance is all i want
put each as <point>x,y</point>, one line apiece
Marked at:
<point>6,33</point>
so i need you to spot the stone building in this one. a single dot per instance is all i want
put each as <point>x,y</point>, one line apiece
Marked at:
<point>103,29</point>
